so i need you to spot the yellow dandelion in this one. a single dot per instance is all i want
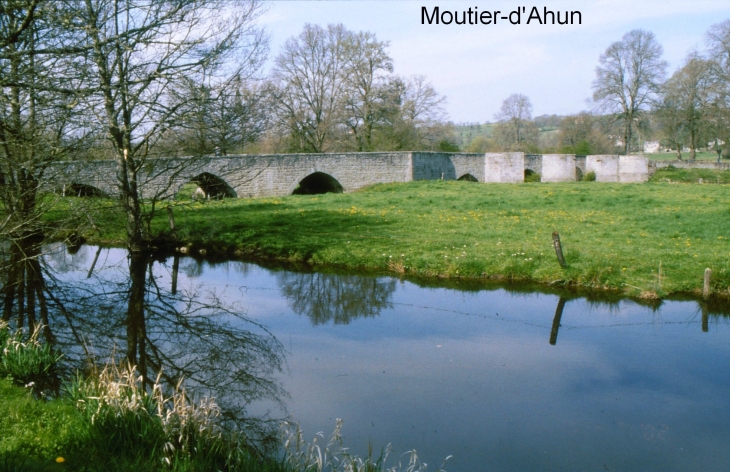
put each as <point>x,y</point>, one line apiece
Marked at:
<point>60,459</point>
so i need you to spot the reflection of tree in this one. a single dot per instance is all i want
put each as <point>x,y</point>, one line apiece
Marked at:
<point>23,294</point>
<point>325,297</point>
<point>194,336</point>
<point>192,267</point>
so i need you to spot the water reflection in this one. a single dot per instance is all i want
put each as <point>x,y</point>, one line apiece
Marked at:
<point>119,309</point>
<point>556,321</point>
<point>23,286</point>
<point>337,298</point>
<point>468,370</point>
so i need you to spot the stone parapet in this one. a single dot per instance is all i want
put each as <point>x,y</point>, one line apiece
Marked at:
<point>558,168</point>
<point>507,167</point>
<point>604,166</point>
<point>632,169</point>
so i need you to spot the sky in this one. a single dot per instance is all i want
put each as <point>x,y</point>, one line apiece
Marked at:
<point>477,66</point>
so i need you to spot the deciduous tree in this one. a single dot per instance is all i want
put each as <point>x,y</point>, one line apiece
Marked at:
<point>515,131</point>
<point>718,110</point>
<point>309,86</point>
<point>628,78</point>
<point>683,109</point>
<point>141,55</point>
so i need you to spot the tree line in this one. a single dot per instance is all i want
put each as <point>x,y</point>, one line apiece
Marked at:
<point>633,102</point>
<point>330,90</point>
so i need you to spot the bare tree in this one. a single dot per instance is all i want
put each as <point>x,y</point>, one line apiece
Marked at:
<point>718,40</point>
<point>413,116</point>
<point>221,119</point>
<point>39,125</point>
<point>582,134</point>
<point>628,78</point>
<point>309,86</point>
<point>366,81</point>
<point>141,53</point>
<point>515,131</point>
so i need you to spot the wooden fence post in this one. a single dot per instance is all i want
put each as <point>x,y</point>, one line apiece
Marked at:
<point>706,286</point>
<point>171,218</point>
<point>558,249</point>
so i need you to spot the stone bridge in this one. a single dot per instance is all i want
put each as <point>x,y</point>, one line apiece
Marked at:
<point>284,174</point>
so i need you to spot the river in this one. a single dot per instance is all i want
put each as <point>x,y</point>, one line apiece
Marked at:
<point>499,378</point>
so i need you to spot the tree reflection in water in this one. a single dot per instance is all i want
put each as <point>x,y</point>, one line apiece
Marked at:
<point>23,286</point>
<point>338,298</point>
<point>191,335</point>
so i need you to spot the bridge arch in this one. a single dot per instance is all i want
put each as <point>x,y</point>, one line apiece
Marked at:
<point>213,186</point>
<point>317,183</point>
<point>532,176</point>
<point>468,178</point>
<point>82,190</point>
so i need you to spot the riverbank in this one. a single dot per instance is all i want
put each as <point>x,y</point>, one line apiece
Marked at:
<point>650,240</point>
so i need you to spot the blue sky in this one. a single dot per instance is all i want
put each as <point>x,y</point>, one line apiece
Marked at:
<point>477,66</point>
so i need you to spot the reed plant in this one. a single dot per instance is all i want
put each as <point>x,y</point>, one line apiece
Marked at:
<point>140,424</point>
<point>28,361</point>
<point>301,455</point>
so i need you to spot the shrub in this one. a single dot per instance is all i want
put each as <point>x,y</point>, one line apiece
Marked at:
<point>447,146</point>
<point>589,177</point>
<point>532,177</point>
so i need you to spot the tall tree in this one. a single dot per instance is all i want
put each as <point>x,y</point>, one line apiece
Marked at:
<point>141,54</point>
<point>333,90</point>
<point>515,131</point>
<point>222,119</point>
<point>628,78</point>
<point>365,75</point>
<point>309,85</point>
<point>581,134</point>
<point>682,110</point>
<point>415,117</point>
<point>718,112</point>
<point>38,126</point>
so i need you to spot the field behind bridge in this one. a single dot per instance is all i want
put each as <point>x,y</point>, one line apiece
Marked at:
<point>642,239</point>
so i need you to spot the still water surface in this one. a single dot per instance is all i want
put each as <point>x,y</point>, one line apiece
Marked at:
<point>499,380</point>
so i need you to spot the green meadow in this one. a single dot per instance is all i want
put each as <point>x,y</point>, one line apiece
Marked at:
<point>646,240</point>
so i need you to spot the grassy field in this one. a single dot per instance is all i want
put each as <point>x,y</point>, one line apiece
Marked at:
<point>672,156</point>
<point>679,175</point>
<point>645,240</point>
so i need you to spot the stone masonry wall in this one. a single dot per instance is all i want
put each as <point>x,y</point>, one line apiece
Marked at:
<point>580,167</point>
<point>558,168</point>
<point>507,167</point>
<point>604,166</point>
<point>654,165</point>
<point>633,169</point>
<point>279,174</point>
<point>449,166</point>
